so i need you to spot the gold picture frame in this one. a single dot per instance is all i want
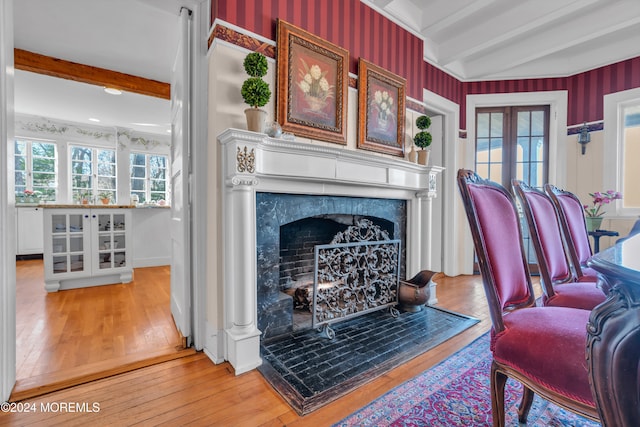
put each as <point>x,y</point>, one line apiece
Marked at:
<point>381,109</point>
<point>313,80</point>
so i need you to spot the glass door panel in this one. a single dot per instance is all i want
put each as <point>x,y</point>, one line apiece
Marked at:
<point>512,143</point>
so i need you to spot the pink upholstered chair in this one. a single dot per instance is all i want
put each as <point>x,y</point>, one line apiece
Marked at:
<point>574,229</point>
<point>541,347</point>
<point>558,282</point>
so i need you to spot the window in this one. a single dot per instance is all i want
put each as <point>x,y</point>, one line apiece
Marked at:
<point>36,168</point>
<point>149,177</point>
<point>93,172</point>
<point>630,132</point>
<point>622,134</point>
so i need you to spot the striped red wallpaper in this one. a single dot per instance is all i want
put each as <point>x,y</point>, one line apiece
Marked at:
<point>367,34</point>
<point>347,23</point>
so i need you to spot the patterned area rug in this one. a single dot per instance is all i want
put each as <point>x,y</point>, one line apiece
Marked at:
<point>456,393</point>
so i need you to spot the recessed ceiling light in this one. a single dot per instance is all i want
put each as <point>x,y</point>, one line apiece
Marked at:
<point>112,91</point>
<point>93,119</point>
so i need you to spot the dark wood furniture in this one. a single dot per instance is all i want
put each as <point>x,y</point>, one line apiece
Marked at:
<point>574,229</point>
<point>597,234</point>
<point>561,288</point>
<point>541,347</point>
<point>613,346</point>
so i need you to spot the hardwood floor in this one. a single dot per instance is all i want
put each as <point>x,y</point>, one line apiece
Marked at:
<point>79,335</point>
<point>194,391</point>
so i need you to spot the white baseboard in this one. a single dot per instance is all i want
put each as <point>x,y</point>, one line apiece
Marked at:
<point>151,262</point>
<point>214,344</point>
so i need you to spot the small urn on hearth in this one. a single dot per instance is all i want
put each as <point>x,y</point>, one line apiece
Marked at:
<point>414,293</point>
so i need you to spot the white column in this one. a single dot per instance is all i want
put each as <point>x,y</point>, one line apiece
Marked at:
<point>243,336</point>
<point>425,200</point>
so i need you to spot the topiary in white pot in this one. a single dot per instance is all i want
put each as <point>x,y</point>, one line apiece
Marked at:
<point>255,91</point>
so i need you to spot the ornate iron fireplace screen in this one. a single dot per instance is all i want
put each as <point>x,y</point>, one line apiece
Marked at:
<point>354,278</point>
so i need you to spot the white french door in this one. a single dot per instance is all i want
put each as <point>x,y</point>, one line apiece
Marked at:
<point>180,205</point>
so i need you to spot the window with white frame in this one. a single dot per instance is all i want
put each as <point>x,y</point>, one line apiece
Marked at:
<point>630,141</point>
<point>148,174</point>
<point>622,131</point>
<point>36,170</point>
<point>93,173</point>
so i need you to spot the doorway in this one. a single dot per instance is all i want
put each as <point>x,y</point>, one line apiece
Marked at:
<point>8,299</point>
<point>512,142</point>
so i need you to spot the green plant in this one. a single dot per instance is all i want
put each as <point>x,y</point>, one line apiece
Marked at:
<point>104,195</point>
<point>255,91</point>
<point>423,138</point>
<point>423,122</point>
<point>255,64</point>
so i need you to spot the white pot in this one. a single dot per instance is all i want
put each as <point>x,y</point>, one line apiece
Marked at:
<point>255,119</point>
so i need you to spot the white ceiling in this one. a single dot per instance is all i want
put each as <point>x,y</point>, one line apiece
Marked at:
<point>137,37</point>
<point>516,39</point>
<point>470,39</point>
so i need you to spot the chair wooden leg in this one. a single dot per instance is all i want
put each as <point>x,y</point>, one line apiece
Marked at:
<point>525,404</point>
<point>498,382</point>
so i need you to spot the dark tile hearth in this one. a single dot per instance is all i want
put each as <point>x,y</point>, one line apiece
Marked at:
<point>310,371</point>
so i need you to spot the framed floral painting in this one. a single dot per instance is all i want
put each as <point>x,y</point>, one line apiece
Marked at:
<point>381,96</point>
<point>312,85</point>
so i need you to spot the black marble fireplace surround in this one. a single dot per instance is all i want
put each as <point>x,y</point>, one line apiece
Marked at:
<point>316,219</point>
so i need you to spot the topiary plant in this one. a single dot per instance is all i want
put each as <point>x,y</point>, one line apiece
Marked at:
<point>255,91</point>
<point>255,64</point>
<point>423,138</point>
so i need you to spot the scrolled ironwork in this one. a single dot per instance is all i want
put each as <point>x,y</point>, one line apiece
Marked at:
<point>357,273</point>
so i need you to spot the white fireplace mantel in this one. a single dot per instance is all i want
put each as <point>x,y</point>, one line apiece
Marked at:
<point>253,162</point>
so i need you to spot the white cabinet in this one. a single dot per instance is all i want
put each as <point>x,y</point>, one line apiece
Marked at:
<point>86,247</point>
<point>29,235</point>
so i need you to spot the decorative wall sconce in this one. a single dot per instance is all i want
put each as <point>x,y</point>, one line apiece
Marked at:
<point>584,137</point>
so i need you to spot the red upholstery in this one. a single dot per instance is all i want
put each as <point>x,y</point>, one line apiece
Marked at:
<point>584,295</point>
<point>544,348</point>
<point>571,218</point>
<point>547,345</point>
<point>550,236</point>
<point>501,232</point>
<point>577,228</point>
<point>554,266</point>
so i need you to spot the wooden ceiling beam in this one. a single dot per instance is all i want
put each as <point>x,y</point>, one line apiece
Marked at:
<point>55,67</point>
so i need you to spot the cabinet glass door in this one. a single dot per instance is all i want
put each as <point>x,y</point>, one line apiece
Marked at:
<point>67,246</point>
<point>111,241</point>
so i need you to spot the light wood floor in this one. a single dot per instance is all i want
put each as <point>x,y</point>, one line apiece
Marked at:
<point>72,336</point>
<point>194,391</point>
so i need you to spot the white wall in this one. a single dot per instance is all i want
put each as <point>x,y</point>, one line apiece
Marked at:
<point>151,240</point>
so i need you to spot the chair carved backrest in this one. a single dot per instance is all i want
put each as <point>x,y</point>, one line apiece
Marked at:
<point>546,236</point>
<point>574,228</point>
<point>505,272</point>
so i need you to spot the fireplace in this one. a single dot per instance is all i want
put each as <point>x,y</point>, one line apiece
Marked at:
<point>289,226</point>
<point>270,184</point>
